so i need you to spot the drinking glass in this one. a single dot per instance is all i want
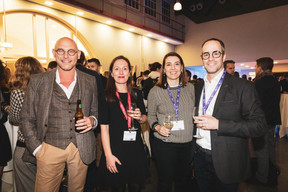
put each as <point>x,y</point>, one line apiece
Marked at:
<point>197,111</point>
<point>130,113</point>
<point>168,123</point>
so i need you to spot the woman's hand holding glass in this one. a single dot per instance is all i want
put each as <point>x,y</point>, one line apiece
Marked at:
<point>111,161</point>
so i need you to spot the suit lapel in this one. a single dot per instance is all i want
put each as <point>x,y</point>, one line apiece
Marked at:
<point>49,83</point>
<point>222,93</point>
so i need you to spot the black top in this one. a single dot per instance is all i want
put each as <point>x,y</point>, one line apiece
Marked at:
<point>148,84</point>
<point>268,90</point>
<point>131,154</point>
<point>284,85</point>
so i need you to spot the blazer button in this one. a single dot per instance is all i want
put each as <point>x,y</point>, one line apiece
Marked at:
<point>70,120</point>
<point>45,125</point>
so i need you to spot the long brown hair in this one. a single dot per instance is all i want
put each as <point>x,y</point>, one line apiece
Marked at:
<point>110,91</point>
<point>25,67</point>
<point>163,78</point>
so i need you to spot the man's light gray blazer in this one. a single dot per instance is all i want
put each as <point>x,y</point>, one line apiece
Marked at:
<point>34,113</point>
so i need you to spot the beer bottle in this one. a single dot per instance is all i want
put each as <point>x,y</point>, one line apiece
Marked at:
<point>78,114</point>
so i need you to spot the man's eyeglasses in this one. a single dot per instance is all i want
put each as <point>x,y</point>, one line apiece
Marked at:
<point>215,54</point>
<point>70,52</point>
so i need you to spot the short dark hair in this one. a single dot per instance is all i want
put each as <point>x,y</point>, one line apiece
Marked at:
<point>228,61</point>
<point>154,66</point>
<point>215,39</point>
<point>188,73</point>
<point>52,64</point>
<point>146,72</point>
<point>194,76</point>
<point>95,61</point>
<point>266,63</point>
<point>163,78</point>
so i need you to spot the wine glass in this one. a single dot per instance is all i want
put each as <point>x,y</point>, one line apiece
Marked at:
<point>168,123</point>
<point>130,113</point>
<point>197,111</point>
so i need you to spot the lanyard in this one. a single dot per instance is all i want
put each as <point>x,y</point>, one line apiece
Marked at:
<point>176,105</point>
<point>206,105</point>
<point>123,108</point>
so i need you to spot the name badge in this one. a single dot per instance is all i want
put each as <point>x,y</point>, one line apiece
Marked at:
<point>129,136</point>
<point>178,125</point>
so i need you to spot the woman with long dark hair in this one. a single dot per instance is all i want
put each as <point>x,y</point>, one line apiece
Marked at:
<point>170,105</point>
<point>24,172</point>
<point>124,160</point>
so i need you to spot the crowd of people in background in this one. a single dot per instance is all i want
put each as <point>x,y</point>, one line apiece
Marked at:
<point>108,149</point>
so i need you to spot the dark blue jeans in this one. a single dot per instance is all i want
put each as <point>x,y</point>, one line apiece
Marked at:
<point>205,173</point>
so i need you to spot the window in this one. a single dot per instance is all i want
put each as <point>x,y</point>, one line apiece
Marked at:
<point>166,11</point>
<point>132,3</point>
<point>150,7</point>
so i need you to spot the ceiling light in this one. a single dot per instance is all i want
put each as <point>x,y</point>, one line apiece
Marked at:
<point>80,13</point>
<point>109,22</point>
<point>149,35</point>
<point>242,64</point>
<point>131,29</point>
<point>166,40</point>
<point>177,6</point>
<point>49,3</point>
<point>252,67</point>
<point>275,62</point>
<point>247,66</point>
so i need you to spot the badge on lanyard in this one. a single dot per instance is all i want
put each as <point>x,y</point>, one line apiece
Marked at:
<point>129,135</point>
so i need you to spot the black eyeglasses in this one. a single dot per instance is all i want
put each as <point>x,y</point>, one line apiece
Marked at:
<point>215,54</point>
<point>70,52</point>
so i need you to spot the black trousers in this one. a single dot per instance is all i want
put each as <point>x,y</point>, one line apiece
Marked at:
<point>173,164</point>
<point>205,173</point>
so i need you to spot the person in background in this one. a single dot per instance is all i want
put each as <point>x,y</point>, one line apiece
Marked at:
<point>124,160</point>
<point>268,90</point>
<point>5,146</point>
<point>51,65</point>
<point>152,79</point>
<point>24,172</point>
<point>236,74</point>
<point>229,66</point>
<point>47,121</point>
<point>188,76</point>
<point>172,147</point>
<point>195,79</point>
<point>141,80</point>
<point>90,183</point>
<point>95,65</point>
<point>244,76</point>
<point>284,84</point>
<point>231,113</point>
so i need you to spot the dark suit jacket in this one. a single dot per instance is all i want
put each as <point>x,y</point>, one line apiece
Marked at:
<point>240,116</point>
<point>35,109</point>
<point>268,90</point>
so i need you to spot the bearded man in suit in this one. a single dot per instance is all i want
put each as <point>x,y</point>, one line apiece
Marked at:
<point>48,125</point>
<point>231,112</point>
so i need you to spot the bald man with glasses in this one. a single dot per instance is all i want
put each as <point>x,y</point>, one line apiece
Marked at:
<point>48,124</point>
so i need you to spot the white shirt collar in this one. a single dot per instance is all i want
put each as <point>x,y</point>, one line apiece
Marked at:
<point>215,79</point>
<point>68,91</point>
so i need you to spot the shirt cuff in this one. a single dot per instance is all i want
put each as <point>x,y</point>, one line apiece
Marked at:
<point>37,149</point>
<point>95,122</point>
